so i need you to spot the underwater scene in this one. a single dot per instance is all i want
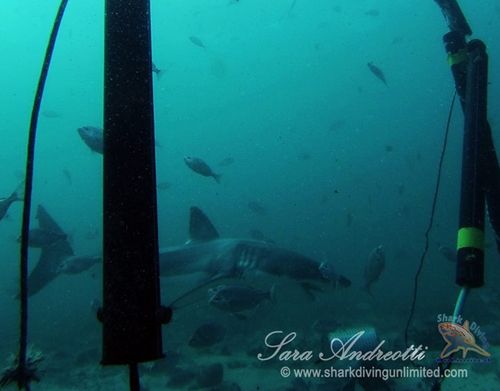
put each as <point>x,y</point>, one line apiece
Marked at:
<point>309,178</point>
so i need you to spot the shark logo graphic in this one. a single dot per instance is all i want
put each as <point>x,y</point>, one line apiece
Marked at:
<point>459,337</point>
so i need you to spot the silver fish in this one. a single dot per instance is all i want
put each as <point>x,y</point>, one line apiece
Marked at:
<point>200,167</point>
<point>208,334</point>
<point>94,138</point>
<point>197,41</point>
<point>157,71</point>
<point>377,72</point>
<point>238,298</point>
<point>374,267</point>
<point>448,253</point>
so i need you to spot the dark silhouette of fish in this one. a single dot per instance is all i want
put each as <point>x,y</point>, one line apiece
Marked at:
<point>163,185</point>
<point>51,257</point>
<point>372,12</point>
<point>51,114</point>
<point>200,167</point>
<point>93,137</point>
<point>377,72</point>
<point>157,71</point>
<point>40,238</point>
<point>374,267</point>
<point>208,334</point>
<point>5,203</point>
<point>197,41</point>
<point>257,208</point>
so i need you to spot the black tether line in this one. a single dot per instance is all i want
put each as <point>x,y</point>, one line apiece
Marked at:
<point>23,379</point>
<point>431,220</point>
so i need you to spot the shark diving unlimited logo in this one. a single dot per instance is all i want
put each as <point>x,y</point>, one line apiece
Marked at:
<point>461,336</point>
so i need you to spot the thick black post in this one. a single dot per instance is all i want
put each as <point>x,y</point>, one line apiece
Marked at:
<point>470,243</point>
<point>131,307</point>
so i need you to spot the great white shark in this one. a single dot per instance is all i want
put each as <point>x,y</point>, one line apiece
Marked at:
<point>205,252</point>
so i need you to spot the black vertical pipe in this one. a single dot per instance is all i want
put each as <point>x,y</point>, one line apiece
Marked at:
<point>131,300</point>
<point>470,244</point>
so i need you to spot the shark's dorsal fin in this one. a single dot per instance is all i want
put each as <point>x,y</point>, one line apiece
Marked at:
<point>46,222</point>
<point>200,227</point>
<point>466,325</point>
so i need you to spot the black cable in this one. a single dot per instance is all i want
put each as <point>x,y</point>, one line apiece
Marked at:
<point>24,375</point>
<point>431,220</point>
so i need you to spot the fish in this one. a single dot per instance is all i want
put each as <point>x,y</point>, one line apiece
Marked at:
<point>459,337</point>
<point>448,253</point>
<point>372,12</point>
<point>5,203</point>
<point>227,386</point>
<point>257,208</point>
<point>210,376</point>
<point>92,136</point>
<point>291,7</point>
<point>181,377</point>
<point>157,71</point>
<point>51,114</point>
<point>95,306</point>
<point>51,257</point>
<point>67,175</point>
<point>374,267</point>
<point>377,72</point>
<point>205,253</point>
<point>208,334</point>
<point>40,238</point>
<point>226,161</point>
<point>197,41</point>
<point>238,298</point>
<point>200,167</point>
<point>76,264</point>
<point>163,185</point>
<point>336,125</point>
<point>304,156</point>
<point>349,219</point>
<point>216,258</point>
